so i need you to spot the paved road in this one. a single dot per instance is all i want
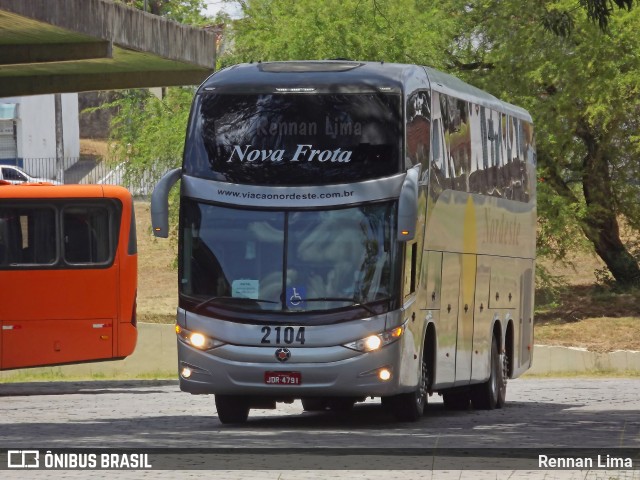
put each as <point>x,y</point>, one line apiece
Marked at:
<point>596,413</point>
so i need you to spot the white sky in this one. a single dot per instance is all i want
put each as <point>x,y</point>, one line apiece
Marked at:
<point>214,6</point>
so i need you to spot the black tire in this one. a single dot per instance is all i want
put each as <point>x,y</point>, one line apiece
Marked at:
<point>492,393</point>
<point>314,404</point>
<point>232,409</point>
<point>409,407</point>
<point>456,400</point>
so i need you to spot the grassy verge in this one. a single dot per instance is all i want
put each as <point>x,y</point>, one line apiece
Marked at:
<point>604,334</point>
<point>157,318</point>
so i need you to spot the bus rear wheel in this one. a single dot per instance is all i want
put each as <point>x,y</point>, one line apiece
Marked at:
<point>492,393</point>
<point>232,409</point>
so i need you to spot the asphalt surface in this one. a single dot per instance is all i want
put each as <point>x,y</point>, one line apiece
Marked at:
<point>600,414</point>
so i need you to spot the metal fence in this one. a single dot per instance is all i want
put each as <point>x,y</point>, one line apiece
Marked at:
<point>88,170</point>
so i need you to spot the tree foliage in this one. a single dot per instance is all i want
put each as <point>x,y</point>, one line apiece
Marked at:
<point>148,133</point>
<point>147,136</point>
<point>561,20</point>
<point>409,31</point>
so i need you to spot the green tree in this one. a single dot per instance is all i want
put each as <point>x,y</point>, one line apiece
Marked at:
<point>148,133</point>
<point>415,31</point>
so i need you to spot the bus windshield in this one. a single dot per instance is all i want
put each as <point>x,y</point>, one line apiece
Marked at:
<point>288,261</point>
<point>294,139</point>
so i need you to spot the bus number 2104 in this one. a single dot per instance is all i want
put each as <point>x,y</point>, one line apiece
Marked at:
<point>286,335</point>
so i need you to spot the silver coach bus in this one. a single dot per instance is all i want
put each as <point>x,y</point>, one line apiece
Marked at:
<point>352,230</point>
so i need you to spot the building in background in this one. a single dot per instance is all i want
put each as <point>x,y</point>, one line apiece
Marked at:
<point>28,133</point>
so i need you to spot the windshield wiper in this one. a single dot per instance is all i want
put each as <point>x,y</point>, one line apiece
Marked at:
<point>354,302</point>
<point>233,299</point>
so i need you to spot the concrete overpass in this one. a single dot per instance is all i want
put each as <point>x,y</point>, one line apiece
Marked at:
<point>59,46</point>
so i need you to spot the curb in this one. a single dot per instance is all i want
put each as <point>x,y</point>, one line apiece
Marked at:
<point>157,354</point>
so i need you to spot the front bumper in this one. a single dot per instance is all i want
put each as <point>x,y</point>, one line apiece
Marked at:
<point>324,371</point>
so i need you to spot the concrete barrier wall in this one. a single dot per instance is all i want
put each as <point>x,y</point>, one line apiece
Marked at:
<point>156,354</point>
<point>549,360</point>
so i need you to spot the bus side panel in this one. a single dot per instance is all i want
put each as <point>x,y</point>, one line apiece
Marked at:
<point>447,327</point>
<point>46,342</point>
<point>60,294</point>
<point>58,316</point>
<point>482,322</point>
<point>465,319</point>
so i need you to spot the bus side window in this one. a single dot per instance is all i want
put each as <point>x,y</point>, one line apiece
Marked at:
<point>419,130</point>
<point>12,237</point>
<point>86,235</point>
<point>28,236</point>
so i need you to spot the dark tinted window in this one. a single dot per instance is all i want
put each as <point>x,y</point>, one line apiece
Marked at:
<point>294,139</point>
<point>86,234</point>
<point>59,233</point>
<point>27,235</point>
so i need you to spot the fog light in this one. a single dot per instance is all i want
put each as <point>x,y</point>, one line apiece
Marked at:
<point>186,372</point>
<point>384,375</point>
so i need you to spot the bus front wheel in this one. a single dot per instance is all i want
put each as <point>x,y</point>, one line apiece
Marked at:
<point>232,409</point>
<point>409,407</point>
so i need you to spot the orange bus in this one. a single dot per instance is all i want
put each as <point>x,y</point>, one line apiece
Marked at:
<point>68,270</point>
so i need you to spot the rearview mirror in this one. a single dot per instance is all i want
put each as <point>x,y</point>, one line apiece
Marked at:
<point>160,203</point>
<point>408,205</point>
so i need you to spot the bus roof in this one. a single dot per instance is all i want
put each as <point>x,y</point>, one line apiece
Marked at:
<point>310,75</point>
<point>48,190</point>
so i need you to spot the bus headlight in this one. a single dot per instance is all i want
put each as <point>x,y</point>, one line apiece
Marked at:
<point>375,342</point>
<point>197,339</point>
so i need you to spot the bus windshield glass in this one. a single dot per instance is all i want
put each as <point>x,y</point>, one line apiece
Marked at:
<point>288,261</point>
<point>294,139</point>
